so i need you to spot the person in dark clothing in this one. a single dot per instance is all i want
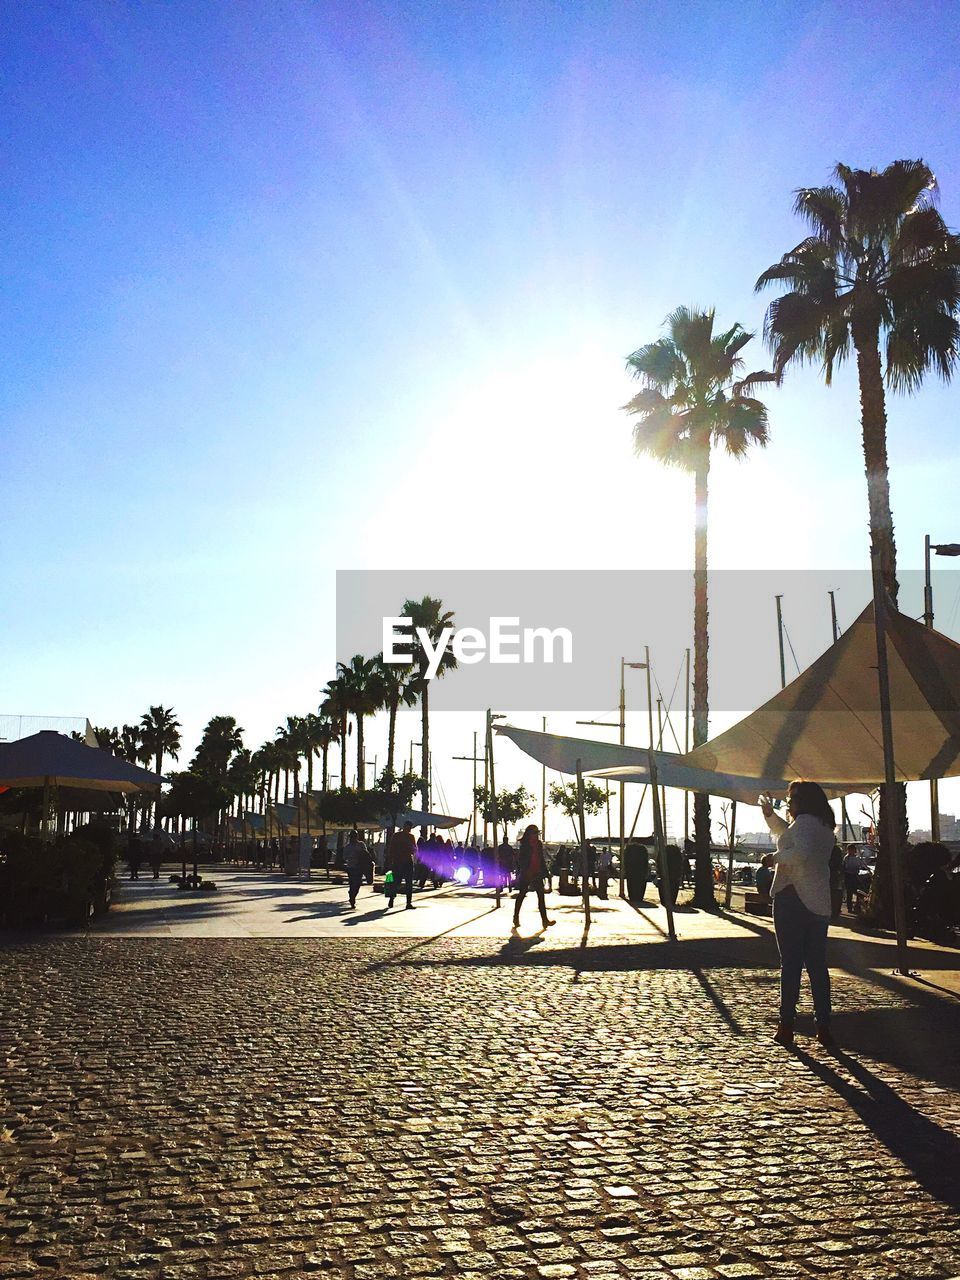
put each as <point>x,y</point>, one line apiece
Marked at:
<point>764,877</point>
<point>155,853</point>
<point>531,866</point>
<point>401,854</point>
<point>356,860</point>
<point>134,858</point>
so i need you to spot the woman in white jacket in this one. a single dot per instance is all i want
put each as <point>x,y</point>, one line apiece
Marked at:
<point>801,902</point>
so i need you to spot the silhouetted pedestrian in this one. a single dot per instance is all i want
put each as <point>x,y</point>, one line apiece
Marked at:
<point>400,859</point>
<point>530,871</point>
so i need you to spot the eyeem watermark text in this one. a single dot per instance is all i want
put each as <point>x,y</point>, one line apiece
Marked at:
<point>504,642</point>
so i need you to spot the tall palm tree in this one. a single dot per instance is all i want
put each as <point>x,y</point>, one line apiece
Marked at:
<point>428,615</point>
<point>325,735</point>
<point>880,273</point>
<point>108,739</point>
<point>159,737</point>
<point>365,696</point>
<point>399,689</point>
<point>691,401</point>
<point>335,706</point>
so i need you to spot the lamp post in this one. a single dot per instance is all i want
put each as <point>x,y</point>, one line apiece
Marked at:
<point>476,760</point>
<point>621,724</point>
<point>940,549</point>
<point>783,666</point>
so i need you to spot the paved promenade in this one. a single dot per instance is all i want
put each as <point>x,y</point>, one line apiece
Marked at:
<point>189,1091</point>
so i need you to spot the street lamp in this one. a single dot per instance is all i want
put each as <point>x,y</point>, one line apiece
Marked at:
<point>940,549</point>
<point>621,724</point>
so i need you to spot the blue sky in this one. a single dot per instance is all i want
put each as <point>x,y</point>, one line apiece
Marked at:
<point>297,287</point>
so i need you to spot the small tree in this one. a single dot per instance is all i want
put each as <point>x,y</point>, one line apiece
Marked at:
<point>564,796</point>
<point>511,807</point>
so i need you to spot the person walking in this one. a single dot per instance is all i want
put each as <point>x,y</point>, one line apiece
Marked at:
<point>852,866</point>
<point>801,902</point>
<point>401,855</point>
<point>604,863</point>
<point>155,853</point>
<point>530,870</point>
<point>356,860</point>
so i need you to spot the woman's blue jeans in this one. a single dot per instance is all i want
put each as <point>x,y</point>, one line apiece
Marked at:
<point>802,940</point>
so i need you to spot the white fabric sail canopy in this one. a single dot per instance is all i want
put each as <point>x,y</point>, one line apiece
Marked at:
<point>825,725</point>
<point>614,763</point>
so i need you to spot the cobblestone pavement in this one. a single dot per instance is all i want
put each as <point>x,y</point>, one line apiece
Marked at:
<point>369,1108</point>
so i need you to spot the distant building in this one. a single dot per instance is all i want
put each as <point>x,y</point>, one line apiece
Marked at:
<point>14,727</point>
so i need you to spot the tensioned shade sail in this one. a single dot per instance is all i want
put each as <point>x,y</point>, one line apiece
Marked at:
<point>826,723</point>
<point>50,757</point>
<point>614,763</point>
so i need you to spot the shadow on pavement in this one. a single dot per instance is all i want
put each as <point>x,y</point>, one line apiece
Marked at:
<point>930,1152</point>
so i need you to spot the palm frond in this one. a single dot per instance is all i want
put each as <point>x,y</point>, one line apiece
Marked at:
<point>825,209</point>
<point>659,364</point>
<point>919,341</point>
<point>755,379</point>
<point>649,400</point>
<point>692,332</point>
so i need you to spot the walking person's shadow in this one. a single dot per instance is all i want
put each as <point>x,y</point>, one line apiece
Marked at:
<point>930,1152</point>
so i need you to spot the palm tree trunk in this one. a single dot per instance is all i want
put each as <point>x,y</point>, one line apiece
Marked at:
<point>873,424</point>
<point>343,753</point>
<point>325,778</point>
<point>425,745</point>
<point>703,895</point>
<point>391,734</point>
<point>361,763</point>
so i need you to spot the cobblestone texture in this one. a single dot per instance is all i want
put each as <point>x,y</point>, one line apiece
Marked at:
<point>221,1109</point>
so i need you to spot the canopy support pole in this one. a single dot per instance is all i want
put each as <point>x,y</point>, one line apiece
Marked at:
<point>733,839</point>
<point>892,837</point>
<point>661,847</point>
<point>584,866</point>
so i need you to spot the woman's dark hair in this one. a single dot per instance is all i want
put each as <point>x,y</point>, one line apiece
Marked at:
<point>810,797</point>
<point>528,835</point>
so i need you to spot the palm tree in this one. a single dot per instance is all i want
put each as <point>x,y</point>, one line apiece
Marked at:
<point>107,739</point>
<point>365,696</point>
<point>399,689</point>
<point>159,737</point>
<point>325,735</point>
<point>336,707</point>
<point>428,615</point>
<point>689,402</point>
<point>880,273</point>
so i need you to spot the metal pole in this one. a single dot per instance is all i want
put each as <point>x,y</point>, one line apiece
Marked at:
<point>833,617</point>
<point>661,847</point>
<point>889,765</point>
<point>663,790</point>
<point>623,785</point>
<point>928,621</point>
<point>493,783</point>
<point>646,655</point>
<point>543,799</point>
<point>733,837</point>
<point>686,747</point>
<point>486,774</point>
<point>783,668</point>
<point>584,869</point>
<point>473,819</point>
